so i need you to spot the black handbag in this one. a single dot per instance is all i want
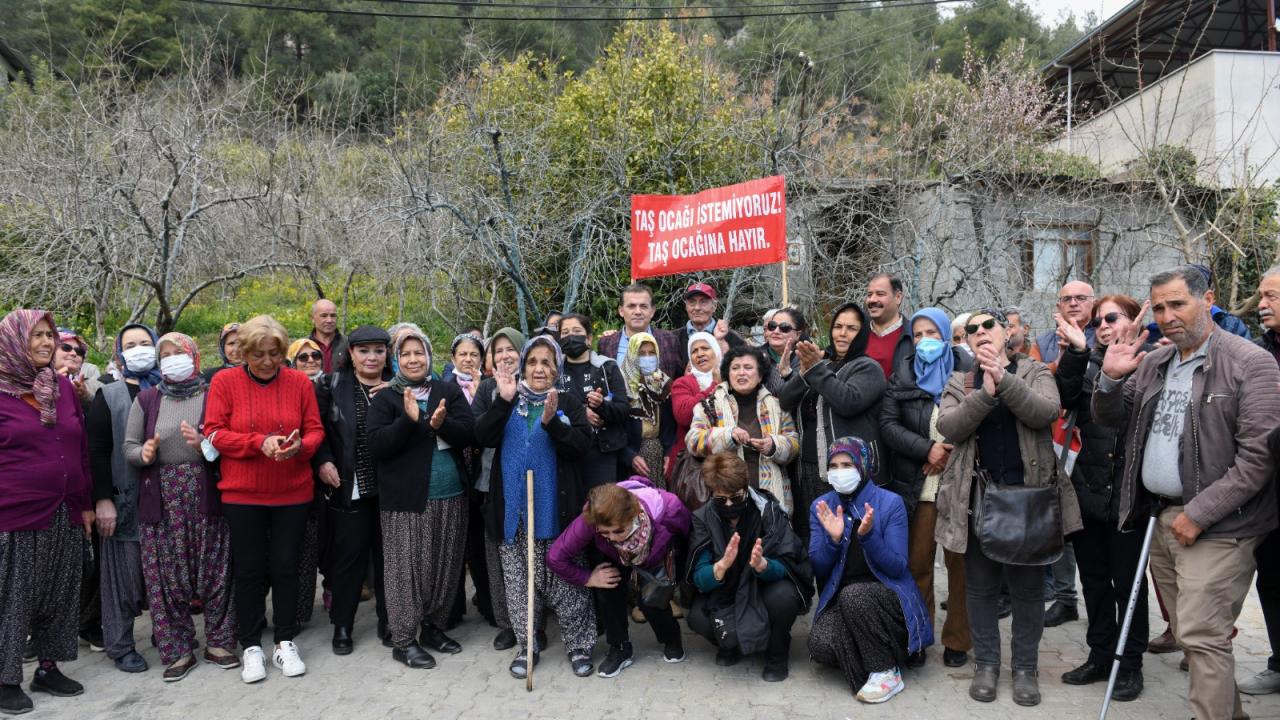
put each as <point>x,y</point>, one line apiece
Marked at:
<point>657,589</point>
<point>1016,524</point>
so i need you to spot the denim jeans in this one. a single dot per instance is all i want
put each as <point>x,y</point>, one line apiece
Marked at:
<point>982,586</point>
<point>1060,579</point>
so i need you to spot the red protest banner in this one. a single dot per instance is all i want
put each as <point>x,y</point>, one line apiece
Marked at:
<point>727,227</point>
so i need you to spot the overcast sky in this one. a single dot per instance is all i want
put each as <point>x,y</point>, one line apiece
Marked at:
<point>1050,11</point>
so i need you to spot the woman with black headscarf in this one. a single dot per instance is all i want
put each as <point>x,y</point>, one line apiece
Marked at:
<point>115,493</point>
<point>833,394</point>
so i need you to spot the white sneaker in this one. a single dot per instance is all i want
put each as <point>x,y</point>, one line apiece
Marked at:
<point>881,686</point>
<point>286,658</point>
<point>254,665</point>
<point>1265,682</point>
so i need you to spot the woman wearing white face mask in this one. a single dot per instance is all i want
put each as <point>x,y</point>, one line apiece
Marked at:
<point>115,493</point>
<point>649,390</point>
<point>185,543</point>
<point>870,615</point>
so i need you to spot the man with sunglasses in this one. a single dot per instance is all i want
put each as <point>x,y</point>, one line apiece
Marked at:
<point>1198,413</point>
<point>1075,304</point>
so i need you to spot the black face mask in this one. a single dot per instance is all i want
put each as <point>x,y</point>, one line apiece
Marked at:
<point>730,512</point>
<point>573,345</point>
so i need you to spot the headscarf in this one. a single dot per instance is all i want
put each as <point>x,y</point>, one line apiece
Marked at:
<point>858,347</point>
<point>704,378</point>
<point>18,374</point>
<point>193,385</point>
<point>67,335</point>
<point>647,392</point>
<point>932,377</point>
<point>152,377</point>
<point>298,346</point>
<point>860,451</point>
<point>229,328</point>
<point>515,337</point>
<point>421,388</point>
<point>527,396</point>
<point>400,327</point>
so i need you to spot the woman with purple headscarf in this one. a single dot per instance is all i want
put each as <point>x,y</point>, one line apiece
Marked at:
<point>44,510</point>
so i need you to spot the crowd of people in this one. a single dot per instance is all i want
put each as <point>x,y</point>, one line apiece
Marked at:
<point>664,475</point>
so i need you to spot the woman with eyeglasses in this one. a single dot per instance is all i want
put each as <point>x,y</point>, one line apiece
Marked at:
<point>751,571</point>
<point>870,615</point>
<point>1106,555</point>
<point>534,427</point>
<point>186,546</point>
<point>306,357</point>
<point>918,453</point>
<point>749,421</point>
<point>833,393</point>
<point>45,510</point>
<point>999,419</point>
<point>781,332</point>
<point>631,526</point>
<point>418,428</point>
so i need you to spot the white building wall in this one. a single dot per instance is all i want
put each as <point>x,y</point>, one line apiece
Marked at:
<point>1224,107</point>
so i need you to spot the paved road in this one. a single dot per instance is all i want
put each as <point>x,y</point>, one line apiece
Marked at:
<point>475,684</point>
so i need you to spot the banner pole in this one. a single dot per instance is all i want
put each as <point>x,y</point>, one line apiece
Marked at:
<point>783,264</point>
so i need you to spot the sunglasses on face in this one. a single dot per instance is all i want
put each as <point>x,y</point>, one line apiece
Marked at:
<point>987,324</point>
<point>726,500</point>
<point>314,356</point>
<point>779,327</point>
<point>1110,319</point>
<point>64,347</point>
<point>1069,299</point>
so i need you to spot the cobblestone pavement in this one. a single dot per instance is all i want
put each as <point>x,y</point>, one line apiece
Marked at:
<point>475,684</point>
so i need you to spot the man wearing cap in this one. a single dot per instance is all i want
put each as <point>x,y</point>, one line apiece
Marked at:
<point>700,304</point>
<point>348,479</point>
<point>887,344</point>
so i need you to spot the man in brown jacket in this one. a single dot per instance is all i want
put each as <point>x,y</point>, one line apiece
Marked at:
<point>1199,412</point>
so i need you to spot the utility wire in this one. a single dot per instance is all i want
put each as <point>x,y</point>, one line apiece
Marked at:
<point>666,8</point>
<point>843,6</point>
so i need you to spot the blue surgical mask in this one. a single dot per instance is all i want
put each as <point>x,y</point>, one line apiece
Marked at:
<point>930,349</point>
<point>647,363</point>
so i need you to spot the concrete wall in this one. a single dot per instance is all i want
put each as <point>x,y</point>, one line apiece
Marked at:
<point>1224,107</point>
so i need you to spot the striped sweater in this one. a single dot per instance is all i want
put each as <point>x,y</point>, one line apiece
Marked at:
<point>240,414</point>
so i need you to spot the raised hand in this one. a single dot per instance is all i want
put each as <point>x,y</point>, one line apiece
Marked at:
<point>190,435</point>
<point>1068,333</point>
<point>506,384</point>
<point>757,561</point>
<point>604,576</point>
<point>149,450</point>
<point>784,360</point>
<point>726,561</point>
<point>832,522</point>
<point>868,519</point>
<point>809,355</point>
<point>992,364</point>
<point>437,417</point>
<point>550,406</point>
<point>721,330</point>
<point>411,406</point>
<point>1124,355</point>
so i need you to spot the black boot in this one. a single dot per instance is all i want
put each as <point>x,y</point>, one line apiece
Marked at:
<point>13,701</point>
<point>775,669</point>
<point>434,638</point>
<point>342,644</point>
<point>505,640</point>
<point>52,681</point>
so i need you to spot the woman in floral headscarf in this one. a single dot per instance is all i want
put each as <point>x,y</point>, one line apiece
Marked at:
<point>870,614</point>
<point>536,428</point>
<point>418,427</point>
<point>648,387</point>
<point>44,509</point>
<point>186,551</point>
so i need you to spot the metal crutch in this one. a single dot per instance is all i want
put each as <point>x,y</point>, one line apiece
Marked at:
<point>1139,579</point>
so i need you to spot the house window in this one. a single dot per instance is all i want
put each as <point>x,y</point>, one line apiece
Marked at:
<point>1052,255</point>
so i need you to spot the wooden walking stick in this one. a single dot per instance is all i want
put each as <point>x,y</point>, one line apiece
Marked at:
<point>528,533</point>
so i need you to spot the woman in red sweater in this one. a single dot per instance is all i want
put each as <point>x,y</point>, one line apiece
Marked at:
<point>263,421</point>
